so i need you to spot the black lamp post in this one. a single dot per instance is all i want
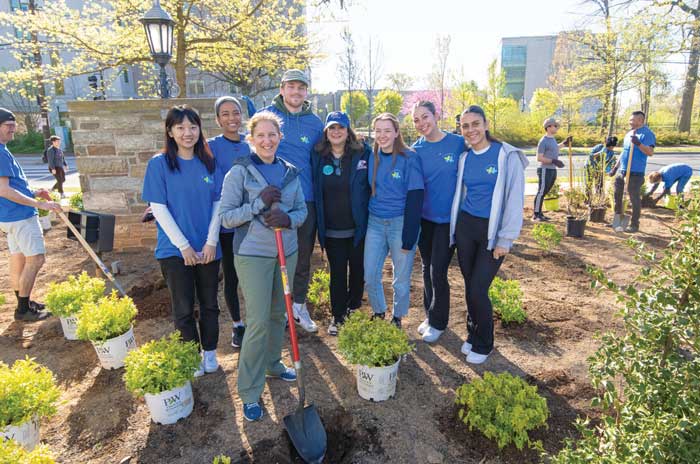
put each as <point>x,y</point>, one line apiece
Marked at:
<point>159,27</point>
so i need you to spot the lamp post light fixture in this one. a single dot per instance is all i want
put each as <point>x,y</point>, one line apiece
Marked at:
<point>159,27</point>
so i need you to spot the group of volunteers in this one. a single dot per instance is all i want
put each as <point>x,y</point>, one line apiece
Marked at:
<point>222,200</point>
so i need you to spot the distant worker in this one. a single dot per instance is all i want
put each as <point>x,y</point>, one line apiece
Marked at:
<point>57,164</point>
<point>677,173</point>
<point>594,170</point>
<point>548,157</point>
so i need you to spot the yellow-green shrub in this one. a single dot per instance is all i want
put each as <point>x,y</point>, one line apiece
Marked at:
<point>373,343</point>
<point>319,293</point>
<point>507,299</point>
<point>66,299</point>
<point>27,389</point>
<point>546,236</point>
<point>12,452</point>
<point>107,318</point>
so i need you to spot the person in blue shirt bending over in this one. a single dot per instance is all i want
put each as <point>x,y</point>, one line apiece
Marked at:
<point>437,152</point>
<point>181,186</point>
<point>486,217</point>
<point>593,168</point>
<point>301,131</point>
<point>643,141</point>
<point>677,173</point>
<point>226,148</point>
<point>394,216</point>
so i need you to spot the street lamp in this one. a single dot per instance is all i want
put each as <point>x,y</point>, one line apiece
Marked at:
<point>159,31</point>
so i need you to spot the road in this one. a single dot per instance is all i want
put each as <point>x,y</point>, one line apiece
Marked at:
<point>39,176</point>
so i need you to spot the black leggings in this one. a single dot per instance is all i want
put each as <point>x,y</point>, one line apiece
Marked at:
<point>546,179</point>
<point>478,269</point>
<point>230,276</point>
<point>346,287</point>
<point>436,254</point>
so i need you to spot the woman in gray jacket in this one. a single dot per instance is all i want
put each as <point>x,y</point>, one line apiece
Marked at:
<point>486,217</point>
<point>262,193</point>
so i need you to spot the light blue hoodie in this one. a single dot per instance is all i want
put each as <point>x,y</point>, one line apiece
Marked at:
<point>506,218</point>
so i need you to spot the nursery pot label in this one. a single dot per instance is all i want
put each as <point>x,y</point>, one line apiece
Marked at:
<point>377,383</point>
<point>26,434</point>
<point>69,325</point>
<point>171,405</point>
<point>113,351</point>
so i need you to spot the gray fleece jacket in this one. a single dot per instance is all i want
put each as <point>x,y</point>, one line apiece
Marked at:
<point>242,208</point>
<point>506,218</point>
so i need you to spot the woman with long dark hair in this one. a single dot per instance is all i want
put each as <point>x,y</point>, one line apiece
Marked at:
<point>486,217</point>
<point>181,187</point>
<point>341,193</point>
<point>394,216</point>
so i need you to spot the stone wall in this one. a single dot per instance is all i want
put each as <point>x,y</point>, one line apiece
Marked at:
<point>113,141</point>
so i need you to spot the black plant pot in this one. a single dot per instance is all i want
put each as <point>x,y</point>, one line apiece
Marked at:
<point>597,214</point>
<point>575,227</point>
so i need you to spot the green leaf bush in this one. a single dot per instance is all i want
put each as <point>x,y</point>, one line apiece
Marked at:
<point>319,293</point>
<point>504,408</point>
<point>67,298</point>
<point>161,365</point>
<point>27,389</point>
<point>221,459</point>
<point>507,299</point>
<point>107,318</point>
<point>76,201</point>
<point>546,236</point>
<point>374,343</point>
<point>12,452</point>
<point>554,192</point>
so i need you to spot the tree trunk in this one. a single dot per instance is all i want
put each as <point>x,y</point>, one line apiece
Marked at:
<point>613,110</point>
<point>691,79</point>
<point>41,91</point>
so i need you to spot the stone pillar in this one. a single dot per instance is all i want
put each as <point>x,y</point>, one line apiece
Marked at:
<point>113,141</point>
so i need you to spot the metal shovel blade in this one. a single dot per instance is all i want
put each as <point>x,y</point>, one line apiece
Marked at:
<point>307,434</point>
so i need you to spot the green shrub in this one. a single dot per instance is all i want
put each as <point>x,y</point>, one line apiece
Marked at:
<point>76,201</point>
<point>27,389</point>
<point>161,365</point>
<point>506,297</point>
<point>55,196</point>
<point>2,299</point>
<point>504,408</point>
<point>65,299</point>
<point>546,236</point>
<point>12,452</point>
<point>30,142</point>
<point>553,192</point>
<point>373,343</point>
<point>107,318</point>
<point>221,459</point>
<point>319,293</point>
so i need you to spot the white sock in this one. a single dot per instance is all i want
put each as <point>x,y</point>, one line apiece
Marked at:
<point>239,324</point>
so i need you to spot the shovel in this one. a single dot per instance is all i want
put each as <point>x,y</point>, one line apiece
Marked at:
<point>622,221</point>
<point>304,425</point>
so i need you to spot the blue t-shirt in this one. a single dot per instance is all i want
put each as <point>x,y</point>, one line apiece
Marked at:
<point>596,156</point>
<point>480,174</point>
<point>225,152</point>
<point>273,172</point>
<point>639,159</point>
<point>9,210</point>
<point>393,182</point>
<point>673,172</point>
<point>189,193</point>
<point>439,162</point>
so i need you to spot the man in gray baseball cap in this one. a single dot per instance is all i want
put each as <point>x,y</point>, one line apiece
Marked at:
<point>548,157</point>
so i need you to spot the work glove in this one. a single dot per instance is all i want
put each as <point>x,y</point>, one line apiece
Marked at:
<point>270,195</point>
<point>558,163</point>
<point>635,140</point>
<point>277,219</point>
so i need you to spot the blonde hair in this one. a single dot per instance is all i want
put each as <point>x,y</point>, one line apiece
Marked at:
<point>263,116</point>
<point>655,177</point>
<point>399,148</point>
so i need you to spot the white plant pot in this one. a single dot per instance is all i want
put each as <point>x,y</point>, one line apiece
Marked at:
<point>26,434</point>
<point>113,351</point>
<point>69,325</point>
<point>171,405</point>
<point>45,222</point>
<point>377,383</point>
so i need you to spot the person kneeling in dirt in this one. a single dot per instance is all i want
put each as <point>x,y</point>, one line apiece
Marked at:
<point>262,193</point>
<point>18,219</point>
<point>677,173</point>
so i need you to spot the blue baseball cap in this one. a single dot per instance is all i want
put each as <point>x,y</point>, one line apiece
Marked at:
<point>337,117</point>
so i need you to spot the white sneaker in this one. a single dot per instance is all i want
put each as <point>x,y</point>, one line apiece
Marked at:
<point>466,348</point>
<point>423,327</point>
<point>619,229</point>
<point>301,317</point>
<point>210,362</point>
<point>200,370</point>
<point>476,358</point>
<point>431,334</point>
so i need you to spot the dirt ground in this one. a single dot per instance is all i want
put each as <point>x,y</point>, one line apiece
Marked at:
<point>98,421</point>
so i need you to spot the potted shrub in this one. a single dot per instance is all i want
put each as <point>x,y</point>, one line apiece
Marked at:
<point>376,346</point>
<point>66,299</point>
<point>671,202</point>
<point>576,212</point>
<point>46,216</point>
<point>28,393</point>
<point>162,371</point>
<point>551,200</point>
<point>12,452</point>
<point>76,201</point>
<point>596,199</point>
<point>108,325</point>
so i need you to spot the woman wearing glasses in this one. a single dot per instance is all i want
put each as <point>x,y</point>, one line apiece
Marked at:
<point>341,193</point>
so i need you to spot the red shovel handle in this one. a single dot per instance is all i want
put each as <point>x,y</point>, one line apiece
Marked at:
<point>287,294</point>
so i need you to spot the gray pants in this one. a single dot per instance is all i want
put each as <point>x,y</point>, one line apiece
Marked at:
<point>634,190</point>
<point>306,238</point>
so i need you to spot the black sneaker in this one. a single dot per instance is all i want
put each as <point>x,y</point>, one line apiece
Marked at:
<point>31,315</point>
<point>237,336</point>
<point>378,316</point>
<point>536,217</point>
<point>632,229</point>
<point>543,217</point>
<point>396,321</point>
<point>36,305</point>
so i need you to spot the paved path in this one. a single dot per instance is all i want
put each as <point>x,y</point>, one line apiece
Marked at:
<point>39,176</point>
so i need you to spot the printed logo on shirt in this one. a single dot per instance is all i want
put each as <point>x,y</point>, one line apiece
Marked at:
<point>208,180</point>
<point>449,158</point>
<point>491,169</point>
<point>327,170</point>
<point>396,174</point>
<point>304,139</point>
<point>362,164</point>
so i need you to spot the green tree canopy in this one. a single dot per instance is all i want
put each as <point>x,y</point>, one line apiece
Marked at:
<point>355,104</point>
<point>388,101</point>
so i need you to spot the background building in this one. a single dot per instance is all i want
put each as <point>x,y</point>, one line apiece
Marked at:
<point>527,63</point>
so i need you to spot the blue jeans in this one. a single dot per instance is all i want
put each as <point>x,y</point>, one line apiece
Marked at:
<point>384,237</point>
